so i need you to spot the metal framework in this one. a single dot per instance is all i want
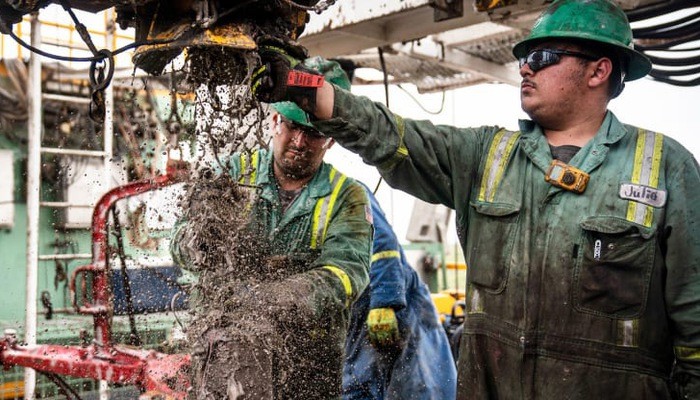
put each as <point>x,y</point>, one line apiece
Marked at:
<point>34,203</point>
<point>153,372</point>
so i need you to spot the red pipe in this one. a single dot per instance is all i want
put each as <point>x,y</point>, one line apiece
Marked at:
<point>153,372</point>
<point>164,374</point>
<point>101,308</point>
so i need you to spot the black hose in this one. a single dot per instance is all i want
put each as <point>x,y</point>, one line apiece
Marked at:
<point>134,338</point>
<point>666,46</point>
<point>661,77</point>
<point>385,75</point>
<point>674,62</point>
<point>678,32</point>
<point>97,57</point>
<point>63,387</point>
<point>655,10</point>
<point>679,72</point>
<point>640,32</point>
<point>672,43</point>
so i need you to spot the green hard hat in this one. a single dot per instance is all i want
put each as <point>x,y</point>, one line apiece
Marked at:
<point>600,21</point>
<point>332,72</point>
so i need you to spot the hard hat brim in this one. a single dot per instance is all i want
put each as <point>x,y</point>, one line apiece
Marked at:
<point>638,64</point>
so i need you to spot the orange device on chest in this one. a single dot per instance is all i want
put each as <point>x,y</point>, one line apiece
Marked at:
<point>566,177</point>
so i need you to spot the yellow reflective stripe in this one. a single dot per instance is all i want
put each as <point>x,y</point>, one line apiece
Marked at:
<point>496,161</point>
<point>254,172</point>
<point>318,211</point>
<point>687,353</point>
<point>489,163</point>
<point>646,169</point>
<point>344,279</point>
<point>636,173</point>
<point>249,173</point>
<point>401,150</point>
<point>385,254</point>
<point>334,197</point>
<point>654,175</point>
<point>323,209</point>
<point>244,166</point>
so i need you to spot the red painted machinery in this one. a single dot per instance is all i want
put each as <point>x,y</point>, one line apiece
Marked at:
<point>158,375</point>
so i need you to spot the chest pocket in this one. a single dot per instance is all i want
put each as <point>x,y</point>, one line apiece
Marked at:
<point>616,255</point>
<point>492,241</point>
<point>613,267</point>
<point>493,223</point>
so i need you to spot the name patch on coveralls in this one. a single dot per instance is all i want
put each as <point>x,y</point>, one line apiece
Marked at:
<point>643,194</point>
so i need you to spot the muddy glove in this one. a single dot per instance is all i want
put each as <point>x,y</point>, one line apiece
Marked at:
<point>382,327</point>
<point>283,77</point>
<point>286,300</point>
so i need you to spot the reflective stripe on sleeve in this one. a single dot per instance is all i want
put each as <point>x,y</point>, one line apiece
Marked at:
<point>344,279</point>
<point>647,164</point>
<point>324,208</point>
<point>496,162</point>
<point>385,254</point>
<point>401,151</point>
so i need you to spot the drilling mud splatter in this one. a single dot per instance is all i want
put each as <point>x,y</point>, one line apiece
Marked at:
<point>243,346</point>
<point>225,331</point>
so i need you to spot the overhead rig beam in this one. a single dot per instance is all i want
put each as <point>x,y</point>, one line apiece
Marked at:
<point>354,25</point>
<point>458,60</point>
<point>466,44</point>
<point>470,47</point>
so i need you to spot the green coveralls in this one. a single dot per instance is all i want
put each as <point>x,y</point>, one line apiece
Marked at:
<point>569,296</point>
<point>327,233</point>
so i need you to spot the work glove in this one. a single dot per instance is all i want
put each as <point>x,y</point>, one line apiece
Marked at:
<point>283,76</point>
<point>382,327</point>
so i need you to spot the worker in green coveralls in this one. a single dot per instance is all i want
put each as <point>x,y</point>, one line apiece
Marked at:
<point>581,233</point>
<point>317,226</point>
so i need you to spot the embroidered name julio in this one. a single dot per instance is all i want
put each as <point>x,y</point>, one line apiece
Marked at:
<point>643,194</point>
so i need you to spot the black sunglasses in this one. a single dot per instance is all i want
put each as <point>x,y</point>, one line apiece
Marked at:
<point>308,131</point>
<point>541,58</point>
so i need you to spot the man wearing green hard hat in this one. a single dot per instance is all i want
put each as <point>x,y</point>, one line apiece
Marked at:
<point>581,233</point>
<point>314,226</point>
